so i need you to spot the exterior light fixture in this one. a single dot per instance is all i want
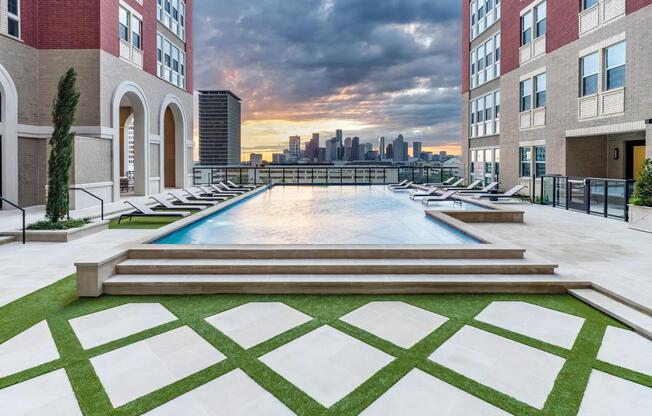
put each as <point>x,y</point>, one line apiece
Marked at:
<point>616,153</point>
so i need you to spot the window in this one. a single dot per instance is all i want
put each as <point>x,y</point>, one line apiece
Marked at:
<point>480,110</point>
<point>589,68</point>
<point>587,4</point>
<point>171,62</point>
<point>13,18</point>
<point>482,15</point>
<point>123,26</point>
<point>485,62</point>
<point>540,91</point>
<point>615,57</point>
<point>526,95</point>
<point>497,165</point>
<point>540,160</point>
<point>484,114</point>
<point>497,104</point>
<point>540,19</point>
<point>526,28</point>
<point>136,33</point>
<point>172,14</point>
<point>526,161</point>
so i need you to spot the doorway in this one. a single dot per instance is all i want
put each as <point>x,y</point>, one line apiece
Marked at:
<point>635,158</point>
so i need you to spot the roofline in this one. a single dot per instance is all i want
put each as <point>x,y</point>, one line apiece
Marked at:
<point>220,92</point>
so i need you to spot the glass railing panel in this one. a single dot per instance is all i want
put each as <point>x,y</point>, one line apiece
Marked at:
<point>561,191</point>
<point>597,196</point>
<point>617,203</point>
<point>547,190</point>
<point>334,176</point>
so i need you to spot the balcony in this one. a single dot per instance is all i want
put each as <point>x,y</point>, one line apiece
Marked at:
<point>601,14</point>
<point>532,50</point>
<point>604,104</point>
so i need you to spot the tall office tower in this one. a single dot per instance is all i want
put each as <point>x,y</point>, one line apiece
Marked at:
<point>347,149</point>
<point>443,156</point>
<point>219,128</point>
<point>294,148</point>
<point>312,147</point>
<point>332,150</point>
<point>381,147</point>
<point>355,149</point>
<point>389,153</point>
<point>416,149</point>
<point>339,135</point>
<point>133,127</point>
<point>400,148</point>
<point>255,159</point>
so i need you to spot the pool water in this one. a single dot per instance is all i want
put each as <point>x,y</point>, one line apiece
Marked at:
<point>322,215</point>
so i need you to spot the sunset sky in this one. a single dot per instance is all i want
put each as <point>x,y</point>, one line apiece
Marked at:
<point>370,68</point>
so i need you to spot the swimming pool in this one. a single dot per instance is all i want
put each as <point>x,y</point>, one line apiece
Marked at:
<point>322,215</point>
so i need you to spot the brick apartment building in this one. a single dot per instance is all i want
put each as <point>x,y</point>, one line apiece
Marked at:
<point>556,87</point>
<point>134,121</point>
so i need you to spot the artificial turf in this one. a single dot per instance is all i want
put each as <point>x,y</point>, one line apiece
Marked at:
<point>142,223</point>
<point>58,303</point>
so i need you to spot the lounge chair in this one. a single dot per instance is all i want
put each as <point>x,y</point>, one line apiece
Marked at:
<point>405,187</point>
<point>143,210</point>
<point>431,192</point>
<point>233,185</point>
<point>448,182</point>
<point>216,190</point>
<point>226,189</point>
<point>232,188</point>
<point>202,196</point>
<point>443,197</point>
<point>512,193</point>
<point>165,203</point>
<point>455,184</point>
<point>471,187</point>
<point>393,185</point>
<point>485,190</point>
<point>181,198</point>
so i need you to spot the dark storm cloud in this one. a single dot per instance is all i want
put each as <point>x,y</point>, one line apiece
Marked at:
<point>393,64</point>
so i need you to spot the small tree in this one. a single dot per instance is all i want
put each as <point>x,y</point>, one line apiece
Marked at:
<point>643,188</point>
<point>63,117</point>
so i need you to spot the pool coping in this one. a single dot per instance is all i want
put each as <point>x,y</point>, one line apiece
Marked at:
<point>93,272</point>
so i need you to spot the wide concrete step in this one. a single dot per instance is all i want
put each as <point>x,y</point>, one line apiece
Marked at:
<point>495,251</point>
<point>336,266</point>
<point>189,284</point>
<point>6,240</point>
<point>641,322</point>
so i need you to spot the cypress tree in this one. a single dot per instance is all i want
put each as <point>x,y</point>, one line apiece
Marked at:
<point>643,188</point>
<point>63,117</point>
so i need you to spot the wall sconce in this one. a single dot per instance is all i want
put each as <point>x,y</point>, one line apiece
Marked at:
<point>616,153</point>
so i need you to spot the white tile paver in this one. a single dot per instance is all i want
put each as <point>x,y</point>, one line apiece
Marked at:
<point>48,395</point>
<point>233,394</point>
<point>396,322</point>
<point>626,349</point>
<point>517,370</point>
<point>112,324</point>
<point>326,363</point>
<point>256,322</point>
<point>141,368</point>
<point>420,394</point>
<point>553,327</point>
<point>28,349</point>
<point>607,395</point>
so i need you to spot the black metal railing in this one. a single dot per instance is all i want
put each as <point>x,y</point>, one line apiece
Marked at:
<point>322,175</point>
<point>22,211</point>
<point>72,188</point>
<point>597,196</point>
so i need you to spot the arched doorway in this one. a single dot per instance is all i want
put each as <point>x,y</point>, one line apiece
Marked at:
<point>131,141</point>
<point>173,127</point>
<point>8,137</point>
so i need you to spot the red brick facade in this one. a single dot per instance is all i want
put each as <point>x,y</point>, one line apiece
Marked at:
<point>634,5</point>
<point>93,24</point>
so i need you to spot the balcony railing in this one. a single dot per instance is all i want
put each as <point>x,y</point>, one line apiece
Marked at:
<point>598,196</point>
<point>322,175</point>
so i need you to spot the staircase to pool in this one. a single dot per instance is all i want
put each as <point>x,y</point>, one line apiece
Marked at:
<point>332,269</point>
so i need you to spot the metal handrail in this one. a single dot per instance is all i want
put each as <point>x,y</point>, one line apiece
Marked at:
<point>72,188</point>
<point>23,212</point>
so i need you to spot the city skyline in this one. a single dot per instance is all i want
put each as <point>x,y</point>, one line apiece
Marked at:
<point>305,68</point>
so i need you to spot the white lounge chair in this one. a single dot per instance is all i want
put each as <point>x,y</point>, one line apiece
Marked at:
<point>225,188</point>
<point>179,196</point>
<point>512,193</point>
<point>142,210</point>
<point>402,183</point>
<point>211,191</point>
<point>404,187</point>
<point>485,190</point>
<point>443,197</point>
<point>471,186</point>
<point>165,203</point>
<point>233,185</point>
<point>450,181</point>
<point>202,196</point>
<point>431,192</point>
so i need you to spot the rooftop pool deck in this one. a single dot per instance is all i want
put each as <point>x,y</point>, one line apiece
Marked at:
<point>324,215</point>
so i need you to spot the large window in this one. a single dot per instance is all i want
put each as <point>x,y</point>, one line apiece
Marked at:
<point>171,62</point>
<point>540,19</point>
<point>589,67</point>
<point>483,14</point>
<point>540,90</point>
<point>123,25</point>
<point>587,4</point>
<point>615,57</point>
<point>526,162</point>
<point>172,13</point>
<point>526,28</point>
<point>526,95</point>
<point>136,33</point>
<point>485,62</point>
<point>540,160</point>
<point>484,115</point>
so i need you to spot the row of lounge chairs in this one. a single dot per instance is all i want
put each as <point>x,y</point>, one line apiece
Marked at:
<point>451,190</point>
<point>195,199</point>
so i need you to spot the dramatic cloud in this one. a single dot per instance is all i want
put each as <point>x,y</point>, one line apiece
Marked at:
<point>369,67</point>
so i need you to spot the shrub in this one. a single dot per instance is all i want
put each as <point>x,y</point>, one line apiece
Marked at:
<point>47,225</point>
<point>643,188</point>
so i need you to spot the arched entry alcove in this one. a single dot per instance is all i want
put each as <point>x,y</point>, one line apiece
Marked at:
<point>173,127</point>
<point>8,137</point>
